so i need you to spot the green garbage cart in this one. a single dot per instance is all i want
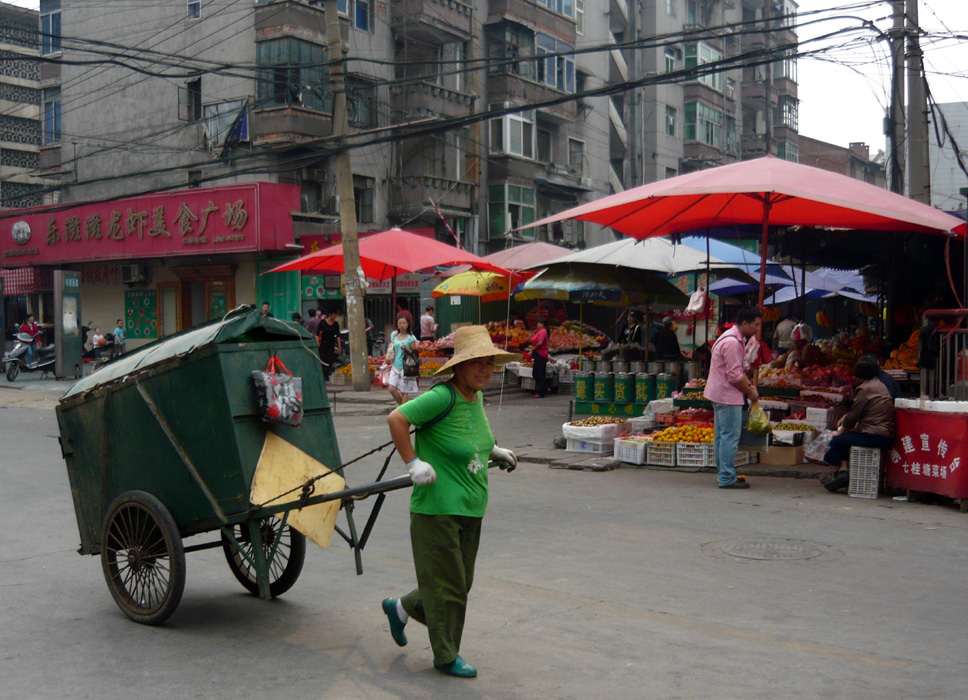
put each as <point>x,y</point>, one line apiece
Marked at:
<point>162,443</point>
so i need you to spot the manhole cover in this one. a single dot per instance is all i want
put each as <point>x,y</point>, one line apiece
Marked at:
<point>773,550</point>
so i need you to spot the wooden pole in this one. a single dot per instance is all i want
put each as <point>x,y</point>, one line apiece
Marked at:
<point>352,272</point>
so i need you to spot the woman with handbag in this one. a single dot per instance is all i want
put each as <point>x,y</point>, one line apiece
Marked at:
<point>402,342</point>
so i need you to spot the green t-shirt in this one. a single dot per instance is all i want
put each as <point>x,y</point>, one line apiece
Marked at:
<point>457,447</point>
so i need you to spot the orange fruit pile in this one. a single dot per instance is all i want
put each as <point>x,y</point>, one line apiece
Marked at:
<point>684,433</point>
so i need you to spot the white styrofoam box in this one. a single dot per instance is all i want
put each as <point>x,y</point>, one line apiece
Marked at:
<point>593,432</point>
<point>640,424</point>
<point>907,403</point>
<point>768,404</point>
<point>946,406</point>
<point>833,395</point>
<point>662,406</point>
<point>819,426</point>
<point>597,447</point>
<point>827,416</point>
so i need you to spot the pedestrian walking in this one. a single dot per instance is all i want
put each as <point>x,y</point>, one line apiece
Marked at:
<point>448,466</point>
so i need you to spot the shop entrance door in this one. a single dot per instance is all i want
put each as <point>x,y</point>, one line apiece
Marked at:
<point>205,293</point>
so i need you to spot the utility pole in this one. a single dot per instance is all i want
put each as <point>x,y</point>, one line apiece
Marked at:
<point>353,273</point>
<point>919,177</point>
<point>895,113</point>
<point>767,81</point>
<point>633,131</point>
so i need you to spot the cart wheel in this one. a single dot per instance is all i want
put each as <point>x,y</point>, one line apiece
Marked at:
<point>142,557</point>
<point>13,369</point>
<point>287,563</point>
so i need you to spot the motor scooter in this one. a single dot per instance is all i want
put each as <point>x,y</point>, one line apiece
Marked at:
<point>16,360</point>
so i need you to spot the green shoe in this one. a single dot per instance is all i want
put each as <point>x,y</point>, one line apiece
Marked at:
<point>458,667</point>
<point>396,624</point>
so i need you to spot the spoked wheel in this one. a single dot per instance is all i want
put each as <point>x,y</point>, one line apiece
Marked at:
<point>13,369</point>
<point>286,565</point>
<point>143,558</point>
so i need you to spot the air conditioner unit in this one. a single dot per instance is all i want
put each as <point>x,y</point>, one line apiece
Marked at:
<point>132,273</point>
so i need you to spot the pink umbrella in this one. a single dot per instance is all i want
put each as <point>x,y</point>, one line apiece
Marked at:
<point>389,253</point>
<point>766,190</point>
<point>519,257</point>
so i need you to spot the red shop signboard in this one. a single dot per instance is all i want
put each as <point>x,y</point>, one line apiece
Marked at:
<point>930,453</point>
<point>232,219</point>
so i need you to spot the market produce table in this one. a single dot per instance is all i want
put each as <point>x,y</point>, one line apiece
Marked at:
<point>930,453</point>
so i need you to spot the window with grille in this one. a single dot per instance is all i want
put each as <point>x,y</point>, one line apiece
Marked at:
<point>52,117</point>
<point>363,196</point>
<point>50,30</point>
<point>293,72</point>
<point>699,54</point>
<point>509,207</point>
<point>556,71</point>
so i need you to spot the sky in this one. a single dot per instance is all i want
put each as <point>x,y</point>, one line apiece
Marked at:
<point>844,92</point>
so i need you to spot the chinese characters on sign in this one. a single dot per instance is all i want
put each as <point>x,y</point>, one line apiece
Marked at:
<point>232,218</point>
<point>141,314</point>
<point>928,453</point>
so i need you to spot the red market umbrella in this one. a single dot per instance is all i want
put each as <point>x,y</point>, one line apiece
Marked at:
<point>769,191</point>
<point>388,254</point>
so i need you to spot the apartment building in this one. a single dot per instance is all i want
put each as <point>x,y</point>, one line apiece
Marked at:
<point>23,117</point>
<point>468,120</point>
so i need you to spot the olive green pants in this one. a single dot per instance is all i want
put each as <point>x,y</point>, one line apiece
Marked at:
<point>444,551</point>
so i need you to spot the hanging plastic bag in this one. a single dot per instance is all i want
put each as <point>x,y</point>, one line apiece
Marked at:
<point>383,376</point>
<point>279,394</point>
<point>697,302</point>
<point>759,422</point>
<point>817,448</point>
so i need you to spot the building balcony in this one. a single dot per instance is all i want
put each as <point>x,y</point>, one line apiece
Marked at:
<point>615,117</point>
<point>615,180</point>
<point>432,21</point>
<point>425,98</point>
<point>411,194</point>
<point>515,88</point>
<point>618,15</point>
<point>287,18</point>
<point>288,124</point>
<point>535,16</point>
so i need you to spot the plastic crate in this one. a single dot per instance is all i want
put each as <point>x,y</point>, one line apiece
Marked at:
<point>568,376</point>
<point>695,454</point>
<point>595,447</point>
<point>629,451</point>
<point>527,383</point>
<point>865,472</point>
<point>661,454</point>
<point>743,458</point>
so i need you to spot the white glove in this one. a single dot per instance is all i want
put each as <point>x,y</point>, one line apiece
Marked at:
<point>499,454</point>
<point>421,472</point>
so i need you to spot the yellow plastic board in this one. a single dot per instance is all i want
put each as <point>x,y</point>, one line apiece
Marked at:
<point>283,466</point>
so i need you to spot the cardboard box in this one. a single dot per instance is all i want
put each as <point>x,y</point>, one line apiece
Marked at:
<point>788,456</point>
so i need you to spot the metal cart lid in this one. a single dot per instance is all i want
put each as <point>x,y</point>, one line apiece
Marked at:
<point>234,324</point>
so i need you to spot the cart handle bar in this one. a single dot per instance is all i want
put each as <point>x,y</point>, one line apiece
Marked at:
<point>355,492</point>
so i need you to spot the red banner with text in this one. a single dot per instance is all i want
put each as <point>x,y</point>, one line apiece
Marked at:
<point>930,453</point>
<point>254,217</point>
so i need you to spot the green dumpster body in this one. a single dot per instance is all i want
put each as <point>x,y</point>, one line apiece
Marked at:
<point>179,419</point>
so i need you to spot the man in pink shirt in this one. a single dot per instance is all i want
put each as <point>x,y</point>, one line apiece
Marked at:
<point>727,387</point>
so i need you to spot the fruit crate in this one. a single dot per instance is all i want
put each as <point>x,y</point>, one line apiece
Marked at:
<point>527,383</point>
<point>595,447</point>
<point>743,458</point>
<point>661,454</point>
<point>865,472</point>
<point>695,454</point>
<point>630,451</point>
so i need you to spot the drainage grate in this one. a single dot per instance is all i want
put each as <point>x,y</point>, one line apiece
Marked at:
<point>773,550</point>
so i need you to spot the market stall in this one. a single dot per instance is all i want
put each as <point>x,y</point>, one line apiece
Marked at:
<point>930,453</point>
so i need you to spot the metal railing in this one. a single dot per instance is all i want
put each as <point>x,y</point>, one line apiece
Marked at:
<point>947,376</point>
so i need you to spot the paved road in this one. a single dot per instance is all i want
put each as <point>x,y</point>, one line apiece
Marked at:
<point>619,584</point>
